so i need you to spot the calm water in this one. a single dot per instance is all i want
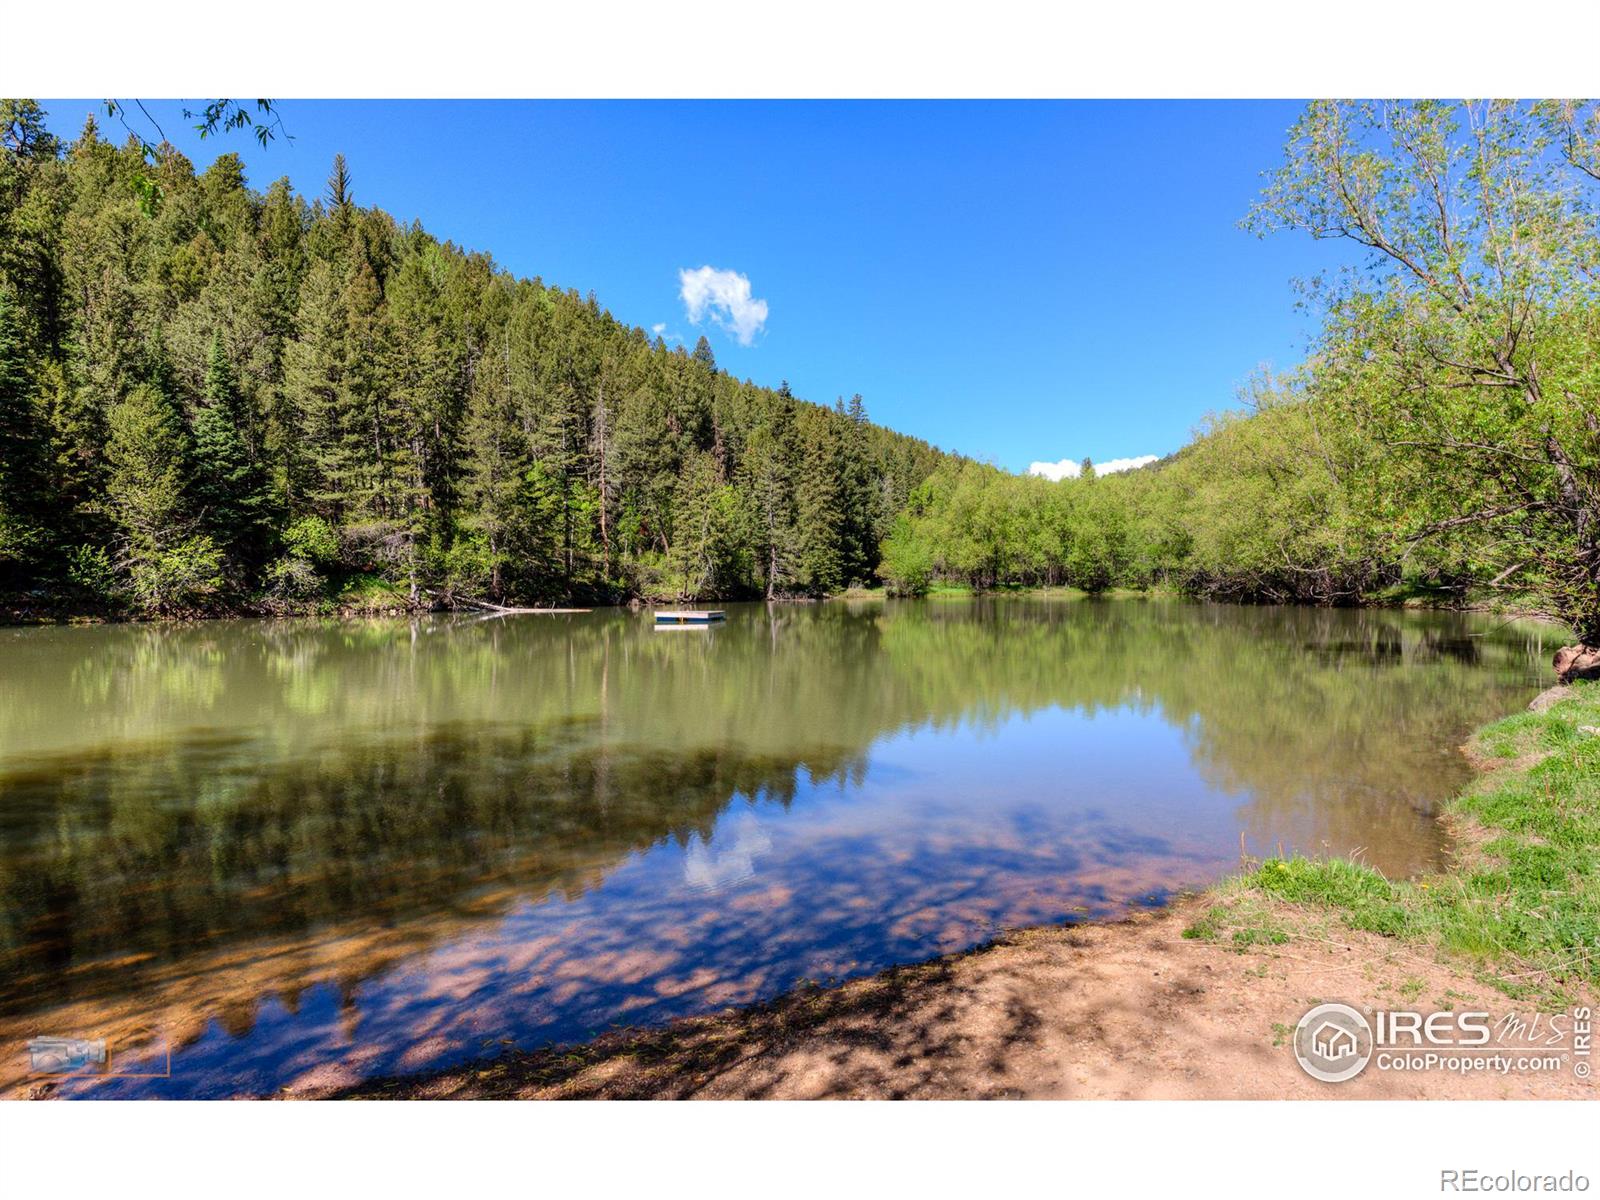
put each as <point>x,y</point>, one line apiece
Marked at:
<point>294,852</point>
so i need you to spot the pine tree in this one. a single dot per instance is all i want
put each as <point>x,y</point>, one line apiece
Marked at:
<point>32,206</point>
<point>604,468</point>
<point>819,503</point>
<point>386,404</point>
<point>23,132</point>
<point>769,468</point>
<point>24,481</point>
<point>421,389</point>
<point>641,456</point>
<point>707,551</point>
<point>339,197</point>
<point>859,491</point>
<point>169,565</point>
<point>564,384</point>
<point>148,455</point>
<point>329,443</point>
<point>495,463</point>
<point>228,492</point>
<point>703,355</point>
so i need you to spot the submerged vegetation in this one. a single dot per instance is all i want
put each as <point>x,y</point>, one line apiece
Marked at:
<point>1522,904</point>
<point>236,822</point>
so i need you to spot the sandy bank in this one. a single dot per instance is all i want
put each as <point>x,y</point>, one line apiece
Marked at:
<point>1130,1010</point>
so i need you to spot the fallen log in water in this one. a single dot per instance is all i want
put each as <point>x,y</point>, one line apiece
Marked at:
<point>500,610</point>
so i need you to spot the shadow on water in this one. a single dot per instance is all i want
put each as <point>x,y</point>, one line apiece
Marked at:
<point>105,878</point>
<point>307,851</point>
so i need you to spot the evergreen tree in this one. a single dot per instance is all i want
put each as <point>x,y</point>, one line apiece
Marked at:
<point>228,491</point>
<point>326,445</point>
<point>169,566</point>
<point>338,194</point>
<point>24,481</point>
<point>859,497</point>
<point>703,355</point>
<point>148,456</point>
<point>820,507</point>
<point>707,556</point>
<point>22,130</point>
<point>209,377</point>
<point>422,408</point>
<point>769,467</point>
<point>495,465</point>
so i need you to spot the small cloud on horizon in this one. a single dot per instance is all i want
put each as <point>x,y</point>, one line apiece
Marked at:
<point>725,297</point>
<point>1070,468</point>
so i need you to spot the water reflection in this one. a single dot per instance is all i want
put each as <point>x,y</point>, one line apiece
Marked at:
<point>307,852</point>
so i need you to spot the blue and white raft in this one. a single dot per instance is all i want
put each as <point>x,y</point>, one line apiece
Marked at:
<point>675,618</point>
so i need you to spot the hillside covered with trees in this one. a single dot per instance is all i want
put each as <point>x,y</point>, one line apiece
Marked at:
<point>1443,437</point>
<point>216,399</point>
<point>213,399</point>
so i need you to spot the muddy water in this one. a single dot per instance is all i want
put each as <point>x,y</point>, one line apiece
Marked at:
<point>252,855</point>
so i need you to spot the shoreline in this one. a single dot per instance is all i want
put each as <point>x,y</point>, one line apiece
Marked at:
<point>1194,1000</point>
<point>1130,1009</point>
<point>17,617</point>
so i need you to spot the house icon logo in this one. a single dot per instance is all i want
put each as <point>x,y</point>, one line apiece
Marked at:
<point>1333,1043</point>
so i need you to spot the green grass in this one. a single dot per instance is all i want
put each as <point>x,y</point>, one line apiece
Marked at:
<point>371,593</point>
<point>1523,905</point>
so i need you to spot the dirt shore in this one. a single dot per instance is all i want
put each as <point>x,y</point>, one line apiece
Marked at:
<point>1128,1010</point>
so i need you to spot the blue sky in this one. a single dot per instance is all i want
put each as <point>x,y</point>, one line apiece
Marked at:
<point>1016,281</point>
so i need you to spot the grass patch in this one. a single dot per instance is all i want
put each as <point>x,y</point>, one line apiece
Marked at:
<point>1523,904</point>
<point>1241,920</point>
<point>372,593</point>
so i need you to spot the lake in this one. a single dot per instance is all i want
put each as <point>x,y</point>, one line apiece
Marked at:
<point>256,854</point>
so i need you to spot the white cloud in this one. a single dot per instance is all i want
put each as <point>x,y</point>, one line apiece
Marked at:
<point>1069,468</point>
<point>725,297</point>
<point>728,857</point>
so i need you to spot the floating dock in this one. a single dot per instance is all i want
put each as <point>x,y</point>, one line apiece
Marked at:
<point>696,616</point>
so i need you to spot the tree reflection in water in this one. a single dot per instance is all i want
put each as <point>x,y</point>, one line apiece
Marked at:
<point>329,849</point>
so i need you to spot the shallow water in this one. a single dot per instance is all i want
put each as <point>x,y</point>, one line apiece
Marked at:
<point>255,854</point>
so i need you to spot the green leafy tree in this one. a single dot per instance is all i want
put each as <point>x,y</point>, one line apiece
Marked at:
<point>1468,340</point>
<point>907,563</point>
<point>1097,555</point>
